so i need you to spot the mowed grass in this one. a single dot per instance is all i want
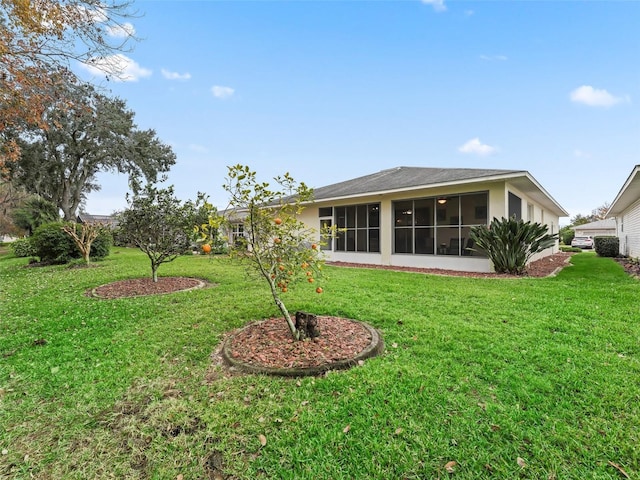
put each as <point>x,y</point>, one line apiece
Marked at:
<point>526,378</point>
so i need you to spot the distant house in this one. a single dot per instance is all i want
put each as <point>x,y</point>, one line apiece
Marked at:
<point>106,220</point>
<point>625,209</point>
<point>600,228</point>
<point>421,217</point>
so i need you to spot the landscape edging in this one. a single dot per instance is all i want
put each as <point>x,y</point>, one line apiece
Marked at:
<point>375,347</point>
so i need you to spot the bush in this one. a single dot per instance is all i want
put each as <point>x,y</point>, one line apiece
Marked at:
<point>54,246</point>
<point>23,248</point>
<point>566,235</point>
<point>510,243</point>
<point>101,246</point>
<point>607,246</point>
<point>565,248</point>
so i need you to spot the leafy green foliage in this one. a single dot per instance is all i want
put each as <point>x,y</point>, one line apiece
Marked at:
<point>277,245</point>
<point>607,246</point>
<point>510,243</point>
<point>568,248</point>
<point>158,224</point>
<point>23,247</point>
<point>34,212</point>
<point>208,227</point>
<point>566,234</point>
<point>54,246</point>
<point>87,133</point>
<point>83,236</point>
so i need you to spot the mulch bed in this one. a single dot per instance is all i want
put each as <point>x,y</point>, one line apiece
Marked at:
<point>544,267</point>
<point>136,287</point>
<point>270,344</point>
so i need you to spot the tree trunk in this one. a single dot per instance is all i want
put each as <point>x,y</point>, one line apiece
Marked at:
<point>307,325</point>
<point>154,272</point>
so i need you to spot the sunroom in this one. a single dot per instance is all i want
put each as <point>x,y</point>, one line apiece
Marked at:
<point>422,217</point>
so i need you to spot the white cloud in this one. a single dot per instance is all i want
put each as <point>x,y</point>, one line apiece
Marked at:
<point>119,68</point>
<point>222,92</point>
<point>124,30</point>
<point>493,58</point>
<point>175,75</point>
<point>475,146</point>
<point>593,97</point>
<point>438,5</point>
<point>580,154</point>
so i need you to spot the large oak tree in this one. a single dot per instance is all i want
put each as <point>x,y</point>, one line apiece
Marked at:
<point>38,41</point>
<point>87,133</point>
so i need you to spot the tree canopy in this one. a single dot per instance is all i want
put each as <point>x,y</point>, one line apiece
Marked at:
<point>158,224</point>
<point>277,245</point>
<point>87,133</point>
<point>38,39</point>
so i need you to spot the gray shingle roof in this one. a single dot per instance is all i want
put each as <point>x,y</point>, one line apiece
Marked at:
<point>405,177</point>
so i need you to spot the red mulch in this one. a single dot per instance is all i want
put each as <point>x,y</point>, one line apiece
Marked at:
<point>540,268</point>
<point>270,343</point>
<point>135,287</point>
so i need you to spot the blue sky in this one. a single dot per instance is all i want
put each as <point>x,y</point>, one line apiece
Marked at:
<point>332,90</point>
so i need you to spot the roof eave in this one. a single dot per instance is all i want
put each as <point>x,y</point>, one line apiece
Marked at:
<point>624,200</point>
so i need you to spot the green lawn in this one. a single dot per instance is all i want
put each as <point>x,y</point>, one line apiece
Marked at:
<point>490,374</point>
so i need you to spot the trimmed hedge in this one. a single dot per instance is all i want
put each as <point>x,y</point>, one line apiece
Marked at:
<point>607,246</point>
<point>565,248</point>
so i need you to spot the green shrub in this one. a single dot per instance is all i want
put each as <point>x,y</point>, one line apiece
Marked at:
<point>23,248</point>
<point>566,235</point>
<point>54,246</point>
<point>565,248</point>
<point>510,243</point>
<point>101,246</point>
<point>607,246</point>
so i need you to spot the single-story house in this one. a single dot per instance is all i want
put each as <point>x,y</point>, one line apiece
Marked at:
<point>421,217</point>
<point>106,220</point>
<point>625,209</point>
<point>599,228</point>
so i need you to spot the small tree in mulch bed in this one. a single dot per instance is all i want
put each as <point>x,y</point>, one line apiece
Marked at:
<point>276,244</point>
<point>158,224</point>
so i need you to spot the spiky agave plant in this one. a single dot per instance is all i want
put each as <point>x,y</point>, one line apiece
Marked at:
<point>510,243</point>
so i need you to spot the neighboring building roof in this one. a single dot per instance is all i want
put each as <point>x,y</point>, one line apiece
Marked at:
<point>414,178</point>
<point>628,195</point>
<point>606,224</point>
<point>104,219</point>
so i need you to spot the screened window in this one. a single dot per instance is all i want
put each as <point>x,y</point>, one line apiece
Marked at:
<point>438,225</point>
<point>358,228</point>
<point>515,206</point>
<point>326,221</point>
<point>237,234</point>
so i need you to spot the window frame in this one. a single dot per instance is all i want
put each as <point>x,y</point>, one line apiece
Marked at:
<point>356,230</point>
<point>419,235</point>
